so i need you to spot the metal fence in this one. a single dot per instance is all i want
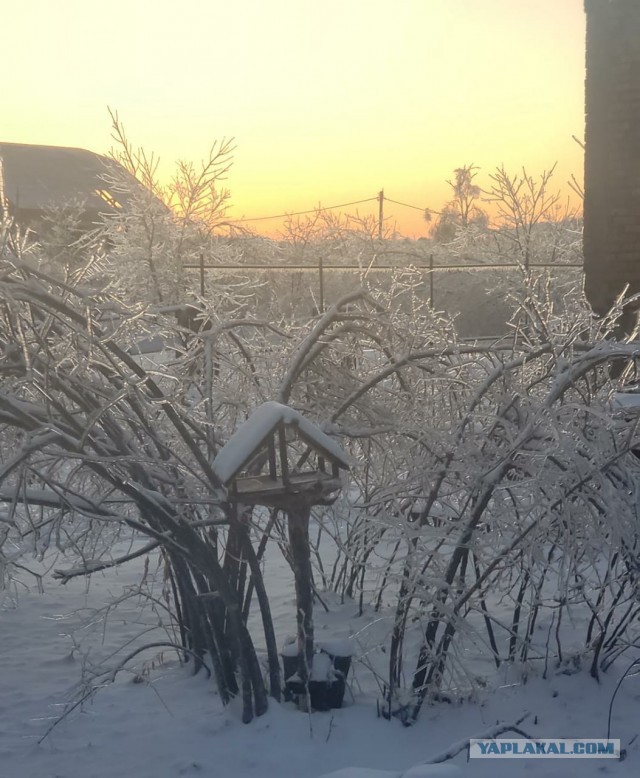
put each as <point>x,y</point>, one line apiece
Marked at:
<point>321,270</point>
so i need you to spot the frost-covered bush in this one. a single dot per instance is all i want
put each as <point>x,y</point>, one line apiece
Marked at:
<point>494,500</point>
<point>498,499</point>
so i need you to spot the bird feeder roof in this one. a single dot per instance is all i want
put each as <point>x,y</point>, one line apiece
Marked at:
<point>252,435</point>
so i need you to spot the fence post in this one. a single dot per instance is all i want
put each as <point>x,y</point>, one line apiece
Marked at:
<point>202,274</point>
<point>431,291</point>
<point>321,281</point>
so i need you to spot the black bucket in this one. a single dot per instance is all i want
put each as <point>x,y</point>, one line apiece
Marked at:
<point>323,695</point>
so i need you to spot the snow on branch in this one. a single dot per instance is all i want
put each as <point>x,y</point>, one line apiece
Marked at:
<point>90,566</point>
<point>52,499</point>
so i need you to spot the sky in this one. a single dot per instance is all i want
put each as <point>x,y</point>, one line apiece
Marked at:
<point>329,101</point>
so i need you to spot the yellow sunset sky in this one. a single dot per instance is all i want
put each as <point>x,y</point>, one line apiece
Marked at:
<point>328,100</point>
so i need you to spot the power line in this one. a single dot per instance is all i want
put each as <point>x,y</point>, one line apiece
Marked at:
<point>302,213</point>
<point>406,205</point>
<point>416,207</point>
<point>380,198</point>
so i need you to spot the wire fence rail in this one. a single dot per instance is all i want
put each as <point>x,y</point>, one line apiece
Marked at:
<point>320,268</point>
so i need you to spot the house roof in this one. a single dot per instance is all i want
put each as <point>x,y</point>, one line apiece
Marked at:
<point>250,436</point>
<point>35,178</point>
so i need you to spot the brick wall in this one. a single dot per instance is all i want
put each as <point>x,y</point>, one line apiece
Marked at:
<point>612,158</point>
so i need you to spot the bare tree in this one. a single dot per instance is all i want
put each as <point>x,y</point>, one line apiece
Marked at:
<point>523,204</point>
<point>164,226</point>
<point>463,209</point>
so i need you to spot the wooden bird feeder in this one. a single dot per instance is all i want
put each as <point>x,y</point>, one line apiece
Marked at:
<point>292,485</point>
<point>261,443</point>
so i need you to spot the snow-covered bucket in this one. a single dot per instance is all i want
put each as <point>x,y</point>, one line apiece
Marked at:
<point>328,676</point>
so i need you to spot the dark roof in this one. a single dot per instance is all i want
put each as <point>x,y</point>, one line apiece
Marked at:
<point>35,178</point>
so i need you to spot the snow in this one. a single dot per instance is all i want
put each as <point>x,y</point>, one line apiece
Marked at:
<point>336,646</point>
<point>290,647</point>
<point>361,772</point>
<point>252,434</point>
<point>419,771</point>
<point>322,668</point>
<point>158,721</point>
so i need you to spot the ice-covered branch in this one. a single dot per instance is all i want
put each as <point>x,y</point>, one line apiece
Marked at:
<point>94,566</point>
<point>488,734</point>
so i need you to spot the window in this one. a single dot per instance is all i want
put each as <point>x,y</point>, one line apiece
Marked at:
<point>105,195</point>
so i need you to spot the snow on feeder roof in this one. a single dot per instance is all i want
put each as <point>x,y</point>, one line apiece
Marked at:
<point>268,422</point>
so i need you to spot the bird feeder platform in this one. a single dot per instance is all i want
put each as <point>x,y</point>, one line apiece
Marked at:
<point>266,440</point>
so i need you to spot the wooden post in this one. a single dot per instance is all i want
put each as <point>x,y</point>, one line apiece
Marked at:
<point>284,464</point>
<point>273,468</point>
<point>298,527</point>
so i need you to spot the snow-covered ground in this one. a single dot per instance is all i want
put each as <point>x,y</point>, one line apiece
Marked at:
<point>157,721</point>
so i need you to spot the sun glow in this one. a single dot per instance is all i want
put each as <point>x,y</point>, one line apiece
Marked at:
<point>328,102</point>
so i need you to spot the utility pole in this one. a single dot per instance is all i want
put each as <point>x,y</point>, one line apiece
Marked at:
<point>380,212</point>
